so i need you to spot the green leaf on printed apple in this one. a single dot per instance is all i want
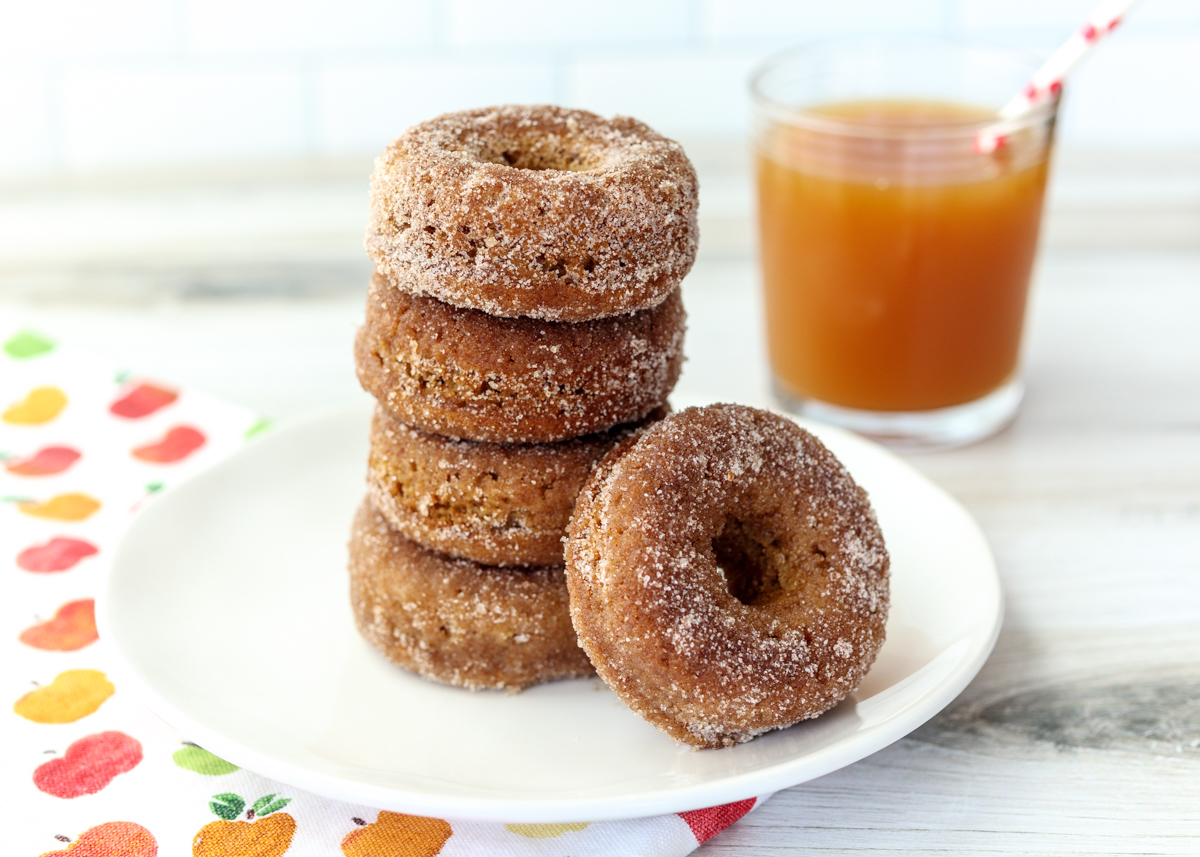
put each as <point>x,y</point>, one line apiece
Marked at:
<point>272,807</point>
<point>227,806</point>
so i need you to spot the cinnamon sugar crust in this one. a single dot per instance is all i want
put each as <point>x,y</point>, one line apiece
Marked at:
<point>458,622</point>
<point>535,211</point>
<point>464,374</point>
<point>727,576</point>
<point>499,504</point>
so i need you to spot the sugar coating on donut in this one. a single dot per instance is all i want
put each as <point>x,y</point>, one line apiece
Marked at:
<point>459,622</point>
<point>499,504</point>
<point>462,373</point>
<point>727,575</point>
<point>534,211</point>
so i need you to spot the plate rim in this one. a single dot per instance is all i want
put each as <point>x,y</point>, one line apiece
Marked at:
<point>723,790</point>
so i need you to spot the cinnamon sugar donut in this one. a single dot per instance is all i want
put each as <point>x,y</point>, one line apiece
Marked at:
<point>534,211</point>
<point>727,576</point>
<point>455,621</point>
<point>495,503</point>
<point>465,374</point>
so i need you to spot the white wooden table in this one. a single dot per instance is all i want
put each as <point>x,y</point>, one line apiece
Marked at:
<point>1082,733</point>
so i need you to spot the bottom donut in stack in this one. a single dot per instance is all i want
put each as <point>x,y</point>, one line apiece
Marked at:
<point>456,621</point>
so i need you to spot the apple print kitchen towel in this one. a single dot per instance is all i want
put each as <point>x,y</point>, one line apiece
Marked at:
<point>84,769</point>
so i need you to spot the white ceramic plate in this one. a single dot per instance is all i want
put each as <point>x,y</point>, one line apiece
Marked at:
<point>228,612</point>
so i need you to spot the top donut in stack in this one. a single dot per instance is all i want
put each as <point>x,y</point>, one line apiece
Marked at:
<point>538,212</point>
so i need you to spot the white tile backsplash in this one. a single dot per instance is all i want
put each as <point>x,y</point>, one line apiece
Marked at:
<point>126,82</point>
<point>258,27</point>
<point>741,20</point>
<point>158,113</point>
<point>1171,12</point>
<point>976,15</point>
<point>555,24</point>
<point>47,31</point>
<point>678,94</point>
<point>25,144</point>
<point>362,106</point>
<point>1144,92</point>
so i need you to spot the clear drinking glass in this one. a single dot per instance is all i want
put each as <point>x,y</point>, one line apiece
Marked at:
<point>896,252</point>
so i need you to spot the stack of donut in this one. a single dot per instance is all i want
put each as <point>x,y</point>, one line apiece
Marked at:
<point>523,319</point>
<point>533,512</point>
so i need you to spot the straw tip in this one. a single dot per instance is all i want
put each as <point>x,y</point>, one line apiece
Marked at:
<point>986,144</point>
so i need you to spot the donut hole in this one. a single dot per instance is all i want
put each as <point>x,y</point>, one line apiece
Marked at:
<point>752,563</point>
<point>538,155</point>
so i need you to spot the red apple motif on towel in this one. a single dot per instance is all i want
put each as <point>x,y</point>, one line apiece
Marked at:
<point>176,445</point>
<point>111,839</point>
<point>707,823</point>
<point>58,554</point>
<point>89,765</point>
<point>48,461</point>
<point>142,400</point>
<point>72,628</point>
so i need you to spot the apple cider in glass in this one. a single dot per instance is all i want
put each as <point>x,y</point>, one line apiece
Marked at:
<point>890,295</point>
<point>896,259</point>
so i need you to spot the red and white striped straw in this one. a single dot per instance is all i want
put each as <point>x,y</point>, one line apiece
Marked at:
<point>1047,81</point>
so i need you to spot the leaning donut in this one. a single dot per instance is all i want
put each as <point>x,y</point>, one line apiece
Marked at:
<point>505,504</point>
<point>465,374</point>
<point>727,576</point>
<point>455,621</point>
<point>534,211</point>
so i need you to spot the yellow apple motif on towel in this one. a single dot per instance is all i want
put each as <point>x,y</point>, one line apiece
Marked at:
<point>41,405</point>
<point>73,694</point>
<point>63,507</point>
<point>394,834</point>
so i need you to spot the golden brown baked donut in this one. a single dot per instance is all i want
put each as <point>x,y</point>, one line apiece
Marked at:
<point>727,576</point>
<point>502,504</point>
<point>455,621</point>
<point>465,374</point>
<point>534,211</point>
